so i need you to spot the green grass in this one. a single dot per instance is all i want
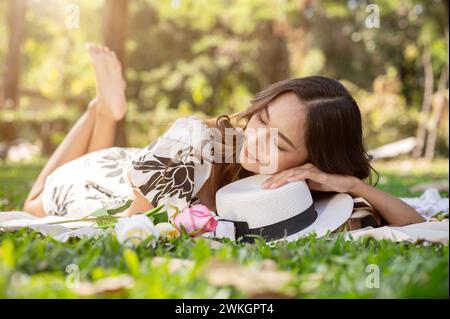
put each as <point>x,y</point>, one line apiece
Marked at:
<point>396,177</point>
<point>34,266</point>
<point>16,181</point>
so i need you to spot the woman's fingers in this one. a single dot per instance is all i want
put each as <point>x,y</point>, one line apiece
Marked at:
<point>315,178</point>
<point>308,166</point>
<point>277,177</point>
<point>306,171</point>
<point>314,175</point>
<point>288,176</point>
<point>270,180</point>
<point>280,180</point>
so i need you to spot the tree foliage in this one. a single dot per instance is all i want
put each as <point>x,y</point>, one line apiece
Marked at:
<point>211,57</point>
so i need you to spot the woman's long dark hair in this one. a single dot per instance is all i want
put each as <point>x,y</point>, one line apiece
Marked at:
<point>334,135</point>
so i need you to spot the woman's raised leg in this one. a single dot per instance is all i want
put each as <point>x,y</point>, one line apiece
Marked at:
<point>111,100</point>
<point>96,127</point>
<point>74,145</point>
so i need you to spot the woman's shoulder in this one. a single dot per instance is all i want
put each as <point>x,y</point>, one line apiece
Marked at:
<point>185,134</point>
<point>187,129</point>
<point>172,166</point>
<point>189,122</point>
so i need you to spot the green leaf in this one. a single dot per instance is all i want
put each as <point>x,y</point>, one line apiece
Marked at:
<point>99,212</point>
<point>183,231</point>
<point>154,210</point>
<point>106,221</point>
<point>119,209</point>
<point>161,217</point>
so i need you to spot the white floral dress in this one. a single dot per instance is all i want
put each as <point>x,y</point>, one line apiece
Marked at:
<point>170,171</point>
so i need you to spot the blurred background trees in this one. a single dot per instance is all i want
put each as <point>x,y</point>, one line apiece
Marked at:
<point>210,57</point>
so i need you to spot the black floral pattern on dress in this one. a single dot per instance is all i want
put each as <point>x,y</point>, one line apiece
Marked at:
<point>61,199</point>
<point>107,202</point>
<point>112,162</point>
<point>104,196</point>
<point>170,177</point>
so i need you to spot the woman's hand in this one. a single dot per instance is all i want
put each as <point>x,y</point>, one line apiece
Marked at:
<point>315,178</point>
<point>393,210</point>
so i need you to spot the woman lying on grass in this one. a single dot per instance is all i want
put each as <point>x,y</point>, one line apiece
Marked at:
<point>318,139</point>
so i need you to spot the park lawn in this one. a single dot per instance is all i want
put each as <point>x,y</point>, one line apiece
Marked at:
<point>35,266</point>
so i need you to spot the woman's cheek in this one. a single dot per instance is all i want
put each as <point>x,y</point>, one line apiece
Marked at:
<point>273,164</point>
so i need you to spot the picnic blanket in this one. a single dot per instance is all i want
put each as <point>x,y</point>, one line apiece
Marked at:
<point>428,205</point>
<point>432,231</point>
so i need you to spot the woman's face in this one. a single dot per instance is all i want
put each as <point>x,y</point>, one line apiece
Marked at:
<point>274,137</point>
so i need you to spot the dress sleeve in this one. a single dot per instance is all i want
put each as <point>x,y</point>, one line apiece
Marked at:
<point>173,168</point>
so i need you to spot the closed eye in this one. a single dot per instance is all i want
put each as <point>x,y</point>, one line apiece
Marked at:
<point>259,118</point>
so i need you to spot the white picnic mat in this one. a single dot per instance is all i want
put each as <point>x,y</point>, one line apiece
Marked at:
<point>433,231</point>
<point>14,220</point>
<point>428,204</point>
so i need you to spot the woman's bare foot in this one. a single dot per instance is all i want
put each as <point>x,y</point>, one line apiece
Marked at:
<point>110,101</point>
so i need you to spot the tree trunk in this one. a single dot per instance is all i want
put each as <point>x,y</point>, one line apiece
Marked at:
<point>16,31</point>
<point>441,101</point>
<point>274,54</point>
<point>296,36</point>
<point>426,104</point>
<point>114,36</point>
<point>438,108</point>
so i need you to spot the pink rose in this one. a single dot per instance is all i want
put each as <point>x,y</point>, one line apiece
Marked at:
<point>197,220</point>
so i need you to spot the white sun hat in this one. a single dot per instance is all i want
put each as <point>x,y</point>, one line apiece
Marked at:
<point>284,213</point>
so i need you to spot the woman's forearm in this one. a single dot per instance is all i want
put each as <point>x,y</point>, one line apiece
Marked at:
<point>393,210</point>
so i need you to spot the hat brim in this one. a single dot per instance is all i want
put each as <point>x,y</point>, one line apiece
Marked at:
<point>332,212</point>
